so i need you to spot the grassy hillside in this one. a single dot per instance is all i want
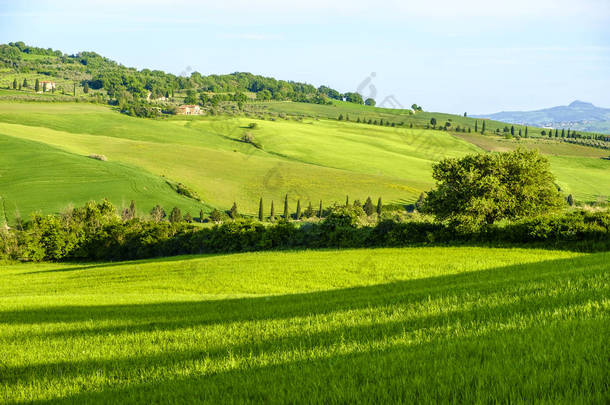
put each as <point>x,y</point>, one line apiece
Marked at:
<point>387,325</point>
<point>309,159</point>
<point>37,177</point>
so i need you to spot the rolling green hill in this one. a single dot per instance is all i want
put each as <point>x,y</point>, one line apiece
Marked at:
<point>308,158</point>
<point>423,325</point>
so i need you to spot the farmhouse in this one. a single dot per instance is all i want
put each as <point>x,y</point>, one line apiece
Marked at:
<point>189,109</point>
<point>47,85</point>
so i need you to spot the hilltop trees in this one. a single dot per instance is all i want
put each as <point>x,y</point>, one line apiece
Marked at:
<point>353,98</point>
<point>157,213</point>
<point>370,102</point>
<point>478,190</point>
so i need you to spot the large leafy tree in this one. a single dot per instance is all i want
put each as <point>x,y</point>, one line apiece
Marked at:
<point>478,190</point>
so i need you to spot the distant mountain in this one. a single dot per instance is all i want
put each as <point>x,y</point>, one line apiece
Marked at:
<point>579,115</point>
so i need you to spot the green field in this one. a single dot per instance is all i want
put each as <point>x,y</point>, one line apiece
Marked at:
<point>457,324</point>
<point>311,160</point>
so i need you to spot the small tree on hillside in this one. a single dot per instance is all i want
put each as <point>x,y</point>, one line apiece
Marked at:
<point>175,216</point>
<point>483,128</point>
<point>478,190</point>
<point>320,210</point>
<point>233,213</point>
<point>157,213</point>
<point>370,101</point>
<point>309,211</point>
<point>286,213</point>
<point>347,200</point>
<point>25,83</point>
<point>298,213</point>
<point>188,218</point>
<point>526,132</point>
<point>86,88</point>
<point>512,130</point>
<point>15,84</point>
<point>369,208</point>
<point>570,200</point>
<point>201,215</point>
<point>260,210</point>
<point>216,216</point>
<point>476,126</point>
<point>420,202</point>
<point>433,122</point>
<point>37,86</point>
<point>379,206</point>
<point>340,117</point>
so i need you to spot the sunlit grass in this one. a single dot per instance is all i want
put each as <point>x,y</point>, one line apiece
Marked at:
<point>413,325</point>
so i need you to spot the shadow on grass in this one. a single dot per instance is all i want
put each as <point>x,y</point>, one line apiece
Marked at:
<point>345,376</point>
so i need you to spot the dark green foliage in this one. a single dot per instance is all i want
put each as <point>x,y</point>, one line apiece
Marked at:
<point>320,210</point>
<point>175,216</point>
<point>419,204</point>
<point>433,121</point>
<point>340,117</point>
<point>570,200</point>
<point>476,126</point>
<point>309,211</point>
<point>216,216</point>
<point>298,213</point>
<point>370,101</point>
<point>201,216</point>
<point>188,218</point>
<point>286,213</point>
<point>353,98</point>
<point>15,84</point>
<point>37,86</point>
<point>25,83</point>
<point>260,210</point>
<point>379,206</point>
<point>272,213</point>
<point>479,190</point>
<point>86,88</point>
<point>233,213</point>
<point>96,232</point>
<point>347,200</point>
<point>369,208</point>
<point>483,127</point>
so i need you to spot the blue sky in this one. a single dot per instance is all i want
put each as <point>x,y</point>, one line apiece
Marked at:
<point>454,56</point>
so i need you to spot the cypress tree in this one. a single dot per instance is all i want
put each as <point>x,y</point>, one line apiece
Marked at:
<point>483,128</point>
<point>272,214</point>
<point>201,215</point>
<point>44,87</point>
<point>512,130</point>
<point>346,117</point>
<point>132,209</point>
<point>234,214</point>
<point>298,215</point>
<point>526,132</point>
<point>379,206</point>
<point>37,86</point>
<point>320,210</point>
<point>347,200</point>
<point>286,207</point>
<point>309,211</point>
<point>86,88</point>
<point>260,210</point>
<point>519,131</point>
<point>476,126</point>
<point>358,120</point>
<point>175,216</point>
<point>570,200</point>
<point>368,207</point>
<point>25,83</point>
<point>340,117</point>
<point>556,133</point>
<point>74,89</point>
<point>563,133</point>
<point>15,84</point>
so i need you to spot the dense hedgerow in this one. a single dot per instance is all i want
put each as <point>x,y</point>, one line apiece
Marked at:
<point>97,232</point>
